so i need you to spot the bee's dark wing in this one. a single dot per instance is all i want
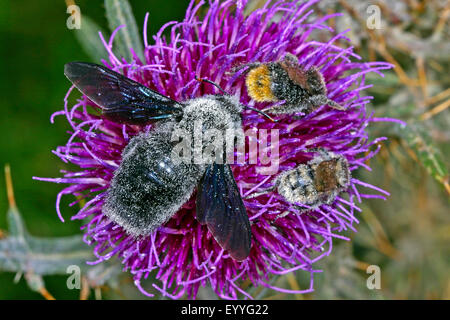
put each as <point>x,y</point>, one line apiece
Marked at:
<point>220,207</point>
<point>122,99</point>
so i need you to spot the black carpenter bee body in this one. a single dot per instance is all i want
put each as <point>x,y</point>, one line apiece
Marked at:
<point>314,183</point>
<point>302,90</point>
<point>150,185</point>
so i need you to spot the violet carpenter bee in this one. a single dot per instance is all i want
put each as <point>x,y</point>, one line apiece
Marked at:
<point>302,90</point>
<point>314,183</point>
<point>149,187</point>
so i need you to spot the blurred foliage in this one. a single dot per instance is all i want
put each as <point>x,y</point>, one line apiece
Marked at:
<point>407,236</point>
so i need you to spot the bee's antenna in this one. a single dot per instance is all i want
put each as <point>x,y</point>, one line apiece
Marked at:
<point>213,83</point>
<point>220,88</point>
<point>262,113</point>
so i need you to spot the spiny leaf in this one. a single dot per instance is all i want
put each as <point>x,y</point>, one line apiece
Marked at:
<point>418,139</point>
<point>35,257</point>
<point>89,39</point>
<point>118,12</point>
<point>16,226</point>
<point>15,223</point>
<point>35,282</point>
<point>23,253</point>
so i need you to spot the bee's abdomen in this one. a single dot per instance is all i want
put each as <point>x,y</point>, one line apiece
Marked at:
<point>284,88</point>
<point>148,187</point>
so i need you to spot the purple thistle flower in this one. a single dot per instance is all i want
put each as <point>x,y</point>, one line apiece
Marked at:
<point>182,253</point>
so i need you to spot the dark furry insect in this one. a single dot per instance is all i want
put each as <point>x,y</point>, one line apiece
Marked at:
<point>314,183</point>
<point>302,90</point>
<point>149,187</point>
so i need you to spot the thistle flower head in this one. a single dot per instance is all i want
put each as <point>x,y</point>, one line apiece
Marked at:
<point>182,254</point>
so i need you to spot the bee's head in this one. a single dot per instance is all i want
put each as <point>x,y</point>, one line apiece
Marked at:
<point>258,82</point>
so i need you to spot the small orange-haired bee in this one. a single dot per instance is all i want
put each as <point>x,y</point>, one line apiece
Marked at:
<point>303,90</point>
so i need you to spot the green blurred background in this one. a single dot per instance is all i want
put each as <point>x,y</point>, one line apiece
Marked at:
<point>407,236</point>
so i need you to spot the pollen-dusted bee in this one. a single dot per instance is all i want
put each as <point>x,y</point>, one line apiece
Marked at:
<point>302,90</point>
<point>314,183</point>
<point>149,187</point>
